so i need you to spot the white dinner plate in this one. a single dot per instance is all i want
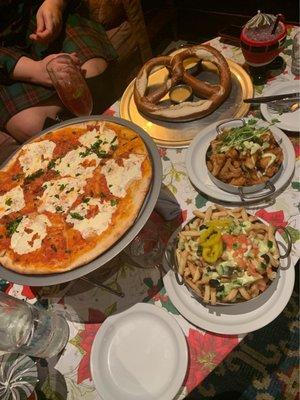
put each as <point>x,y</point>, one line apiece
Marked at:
<point>289,121</point>
<point>139,354</point>
<point>238,318</point>
<point>197,170</point>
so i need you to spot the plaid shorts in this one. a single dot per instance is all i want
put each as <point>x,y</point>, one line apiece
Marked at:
<point>87,38</point>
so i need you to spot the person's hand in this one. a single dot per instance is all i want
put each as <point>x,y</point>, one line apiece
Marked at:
<point>41,76</point>
<point>28,70</point>
<point>48,21</point>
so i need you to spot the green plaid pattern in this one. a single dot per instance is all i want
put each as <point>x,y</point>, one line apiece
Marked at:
<point>87,38</point>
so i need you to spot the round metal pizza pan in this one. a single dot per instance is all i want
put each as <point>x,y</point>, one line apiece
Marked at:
<point>129,235</point>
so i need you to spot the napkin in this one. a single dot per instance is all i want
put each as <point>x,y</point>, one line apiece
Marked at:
<point>167,205</point>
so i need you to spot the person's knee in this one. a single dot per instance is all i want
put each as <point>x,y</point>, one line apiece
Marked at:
<point>94,67</point>
<point>31,121</point>
<point>25,124</point>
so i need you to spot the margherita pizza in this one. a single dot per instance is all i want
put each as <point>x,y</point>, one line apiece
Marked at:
<point>69,195</point>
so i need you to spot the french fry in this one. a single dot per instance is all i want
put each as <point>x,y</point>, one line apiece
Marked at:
<point>213,296</point>
<point>191,267</point>
<point>199,214</point>
<point>231,295</point>
<point>259,226</point>
<point>194,287</point>
<point>208,214</point>
<point>254,290</point>
<point>219,214</point>
<point>273,261</point>
<point>234,216</point>
<point>244,293</point>
<point>190,233</point>
<point>244,215</point>
<point>206,294</point>
<point>236,210</point>
<point>186,272</point>
<point>271,237</point>
<point>219,207</point>
<point>205,280</point>
<point>197,275</point>
<point>181,259</point>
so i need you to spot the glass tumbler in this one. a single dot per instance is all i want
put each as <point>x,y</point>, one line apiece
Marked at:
<point>28,330</point>
<point>70,85</point>
<point>146,249</point>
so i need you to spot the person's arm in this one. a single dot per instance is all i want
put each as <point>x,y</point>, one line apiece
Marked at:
<point>9,57</point>
<point>32,71</point>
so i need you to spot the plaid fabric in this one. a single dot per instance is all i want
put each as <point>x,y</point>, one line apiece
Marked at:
<point>87,38</point>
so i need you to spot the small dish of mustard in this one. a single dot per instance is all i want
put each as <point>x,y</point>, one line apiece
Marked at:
<point>180,93</point>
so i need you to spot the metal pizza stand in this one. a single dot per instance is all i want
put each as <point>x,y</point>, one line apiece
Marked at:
<point>129,235</point>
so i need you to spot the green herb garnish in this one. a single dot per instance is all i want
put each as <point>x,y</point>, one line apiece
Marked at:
<point>270,244</point>
<point>113,202</point>
<point>33,176</point>
<point>51,164</point>
<point>76,216</point>
<point>263,265</point>
<point>12,226</point>
<point>58,208</point>
<point>95,148</point>
<point>237,135</point>
<point>8,202</point>
<point>85,153</point>
<point>86,200</point>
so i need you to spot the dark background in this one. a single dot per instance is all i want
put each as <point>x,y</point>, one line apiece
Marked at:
<point>199,20</point>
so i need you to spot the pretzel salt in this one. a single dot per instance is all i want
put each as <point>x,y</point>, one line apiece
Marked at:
<point>211,96</point>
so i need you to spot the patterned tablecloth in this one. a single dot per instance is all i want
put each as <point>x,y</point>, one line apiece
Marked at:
<point>86,306</point>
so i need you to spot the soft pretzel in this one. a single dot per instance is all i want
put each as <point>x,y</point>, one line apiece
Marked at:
<point>211,96</point>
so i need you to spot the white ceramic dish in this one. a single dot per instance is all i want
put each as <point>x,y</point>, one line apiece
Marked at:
<point>289,121</point>
<point>197,170</point>
<point>139,354</point>
<point>238,318</point>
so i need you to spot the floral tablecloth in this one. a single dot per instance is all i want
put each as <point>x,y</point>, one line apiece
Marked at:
<point>86,306</point>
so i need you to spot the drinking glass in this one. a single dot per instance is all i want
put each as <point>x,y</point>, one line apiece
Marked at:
<point>28,330</point>
<point>70,85</point>
<point>146,249</point>
<point>262,39</point>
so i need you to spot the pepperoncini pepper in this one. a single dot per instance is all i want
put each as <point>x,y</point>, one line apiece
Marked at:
<point>220,223</point>
<point>205,234</point>
<point>211,254</point>
<point>211,241</point>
